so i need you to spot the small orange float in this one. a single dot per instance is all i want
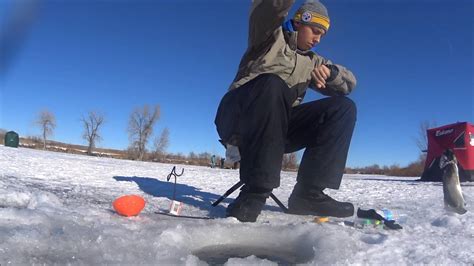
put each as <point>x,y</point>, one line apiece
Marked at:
<point>129,205</point>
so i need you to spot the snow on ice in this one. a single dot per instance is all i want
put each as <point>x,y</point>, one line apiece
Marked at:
<point>56,209</point>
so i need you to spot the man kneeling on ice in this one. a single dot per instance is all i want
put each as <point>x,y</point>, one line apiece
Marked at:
<point>261,115</point>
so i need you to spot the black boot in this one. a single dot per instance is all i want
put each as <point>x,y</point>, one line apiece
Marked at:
<point>312,201</point>
<point>248,205</point>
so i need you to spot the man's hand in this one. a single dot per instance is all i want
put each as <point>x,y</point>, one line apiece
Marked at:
<point>321,73</point>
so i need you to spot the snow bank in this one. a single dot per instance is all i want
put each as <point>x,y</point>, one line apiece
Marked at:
<point>56,209</point>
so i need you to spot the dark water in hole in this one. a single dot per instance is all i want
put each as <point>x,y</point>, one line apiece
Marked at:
<point>219,254</point>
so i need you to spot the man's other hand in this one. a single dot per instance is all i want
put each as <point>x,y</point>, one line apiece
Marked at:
<point>321,73</point>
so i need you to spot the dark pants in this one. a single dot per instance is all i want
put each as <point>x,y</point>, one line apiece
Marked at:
<point>260,116</point>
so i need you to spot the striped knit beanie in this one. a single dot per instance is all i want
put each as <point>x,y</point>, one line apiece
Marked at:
<point>313,13</point>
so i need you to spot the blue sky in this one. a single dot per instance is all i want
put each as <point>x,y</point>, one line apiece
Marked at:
<point>413,61</point>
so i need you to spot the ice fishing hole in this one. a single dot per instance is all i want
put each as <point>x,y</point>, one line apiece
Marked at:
<point>219,254</point>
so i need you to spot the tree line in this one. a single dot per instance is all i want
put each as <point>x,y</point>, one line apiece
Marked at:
<point>140,129</point>
<point>413,169</point>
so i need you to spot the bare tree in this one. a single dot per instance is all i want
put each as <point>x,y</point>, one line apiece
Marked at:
<point>161,143</point>
<point>47,122</point>
<point>192,156</point>
<point>422,140</point>
<point>140,128</point>
<point>92,123</point>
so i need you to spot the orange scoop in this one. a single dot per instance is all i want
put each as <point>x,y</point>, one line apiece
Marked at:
<point>129,205</point>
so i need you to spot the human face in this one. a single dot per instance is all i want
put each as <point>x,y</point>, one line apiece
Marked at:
<point>308,36</point>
